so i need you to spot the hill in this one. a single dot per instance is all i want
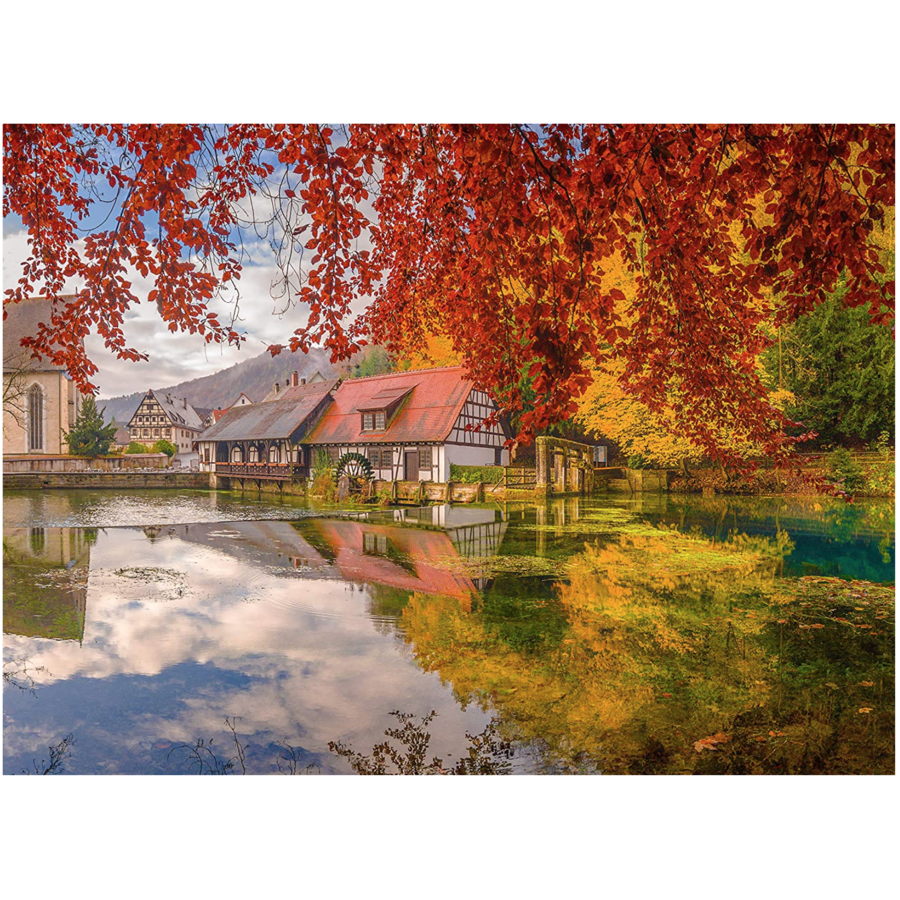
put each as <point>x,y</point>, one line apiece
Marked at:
<point>254,377</point>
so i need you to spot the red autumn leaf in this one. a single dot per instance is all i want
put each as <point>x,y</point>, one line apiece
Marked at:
<point>711,743</point>
<point>499,235</point>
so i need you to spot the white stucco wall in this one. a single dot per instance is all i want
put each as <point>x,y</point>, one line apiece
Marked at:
<point>473,456</point>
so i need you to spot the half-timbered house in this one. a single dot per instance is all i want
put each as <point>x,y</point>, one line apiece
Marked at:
<point>412,425</point>
<point>264,440</point>
<point>162,417</point>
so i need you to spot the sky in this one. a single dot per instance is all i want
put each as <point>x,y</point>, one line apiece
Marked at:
<point>265,317</point>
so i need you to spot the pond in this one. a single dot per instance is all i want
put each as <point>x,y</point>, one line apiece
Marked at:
<point>201,632</point>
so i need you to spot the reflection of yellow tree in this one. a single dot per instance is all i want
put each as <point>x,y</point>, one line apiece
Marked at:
<point>656,655</point>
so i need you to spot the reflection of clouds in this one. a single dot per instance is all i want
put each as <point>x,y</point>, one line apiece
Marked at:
<point>304,657</point>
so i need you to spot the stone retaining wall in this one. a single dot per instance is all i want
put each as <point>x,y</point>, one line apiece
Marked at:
<point>106,480</point>
<point>16,465</point>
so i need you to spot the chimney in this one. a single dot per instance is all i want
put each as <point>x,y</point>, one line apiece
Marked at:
<point>302,381</point>
<point>295,379</point>
<point>277,389</point>
<point>185,402</point>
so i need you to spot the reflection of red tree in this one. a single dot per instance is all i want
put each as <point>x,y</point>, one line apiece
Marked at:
<point>410,570</point>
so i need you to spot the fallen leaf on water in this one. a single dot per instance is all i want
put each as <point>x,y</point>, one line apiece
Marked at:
<point>865,709</point>
<point>777,734</point>
<point>816,626</point>
<point>709,743</point>
<point>867,683</point>
<point>831,685</point>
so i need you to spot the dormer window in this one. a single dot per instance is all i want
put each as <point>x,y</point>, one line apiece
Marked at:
<point>374,421</point>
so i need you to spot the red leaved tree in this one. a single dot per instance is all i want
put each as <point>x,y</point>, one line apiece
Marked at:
<point>497,237</point>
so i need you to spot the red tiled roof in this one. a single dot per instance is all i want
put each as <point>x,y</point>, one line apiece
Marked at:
<point>434,402</point>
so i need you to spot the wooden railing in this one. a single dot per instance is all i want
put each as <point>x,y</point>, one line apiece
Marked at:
<point>519,477</point>
<point>255,470</point>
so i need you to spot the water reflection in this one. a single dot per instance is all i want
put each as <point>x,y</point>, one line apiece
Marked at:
<point>181,626</point>
<point>45,581</point>
<point>584,636</point>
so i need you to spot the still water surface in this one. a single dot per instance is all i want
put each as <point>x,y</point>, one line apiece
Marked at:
<point>661,635</point>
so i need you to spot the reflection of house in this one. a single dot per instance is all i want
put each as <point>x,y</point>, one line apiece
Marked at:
<point>45,582</point>
<point>412,425</point>
<point>40,401</point>
<point>404,558</point>
<point>162,417</point>
<point>264,440</point>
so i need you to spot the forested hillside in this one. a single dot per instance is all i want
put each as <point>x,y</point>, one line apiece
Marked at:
<point>254,377</point>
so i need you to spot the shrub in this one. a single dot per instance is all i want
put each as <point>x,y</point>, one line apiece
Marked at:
<point>476,474</point>
<point>166,447</point>
<point>638,461</point>
<point>135,447</point>
<point>843,469</point>
<point>883,444</point>
<point>880,480</point>
<point>321,464</point>
<point>323,486</point>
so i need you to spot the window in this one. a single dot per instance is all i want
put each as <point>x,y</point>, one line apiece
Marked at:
<point>424,457</point>
<point>206,455</point>
<point>254,453</point>
<point>374,455</point>
<point>274,455</point>
<point>156,432</point>
<point>387,459</point>
<point>334,454</point>
<point>35,418</point>
<point>237,455</point>
<point>373,421</point>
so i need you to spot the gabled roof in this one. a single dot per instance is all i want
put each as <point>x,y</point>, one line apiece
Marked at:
<point>179,411</point>
<point>122,436</point>
<point>274,420</point>
<point>23,320</point>
<point>430,403</point>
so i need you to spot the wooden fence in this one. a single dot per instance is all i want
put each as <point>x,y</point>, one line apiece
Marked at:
<point>519,477</point>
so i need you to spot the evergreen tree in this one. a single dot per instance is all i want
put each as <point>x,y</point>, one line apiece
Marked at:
<point>89,436</point>
<point>840,369</point>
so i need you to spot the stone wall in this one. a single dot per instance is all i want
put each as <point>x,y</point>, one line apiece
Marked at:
<point>15,465</point>
<point>253,486</point>
<point>563,467</point>
<point>106,480</point>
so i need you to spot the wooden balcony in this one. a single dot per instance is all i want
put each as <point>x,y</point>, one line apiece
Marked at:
<point>269,471</point>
